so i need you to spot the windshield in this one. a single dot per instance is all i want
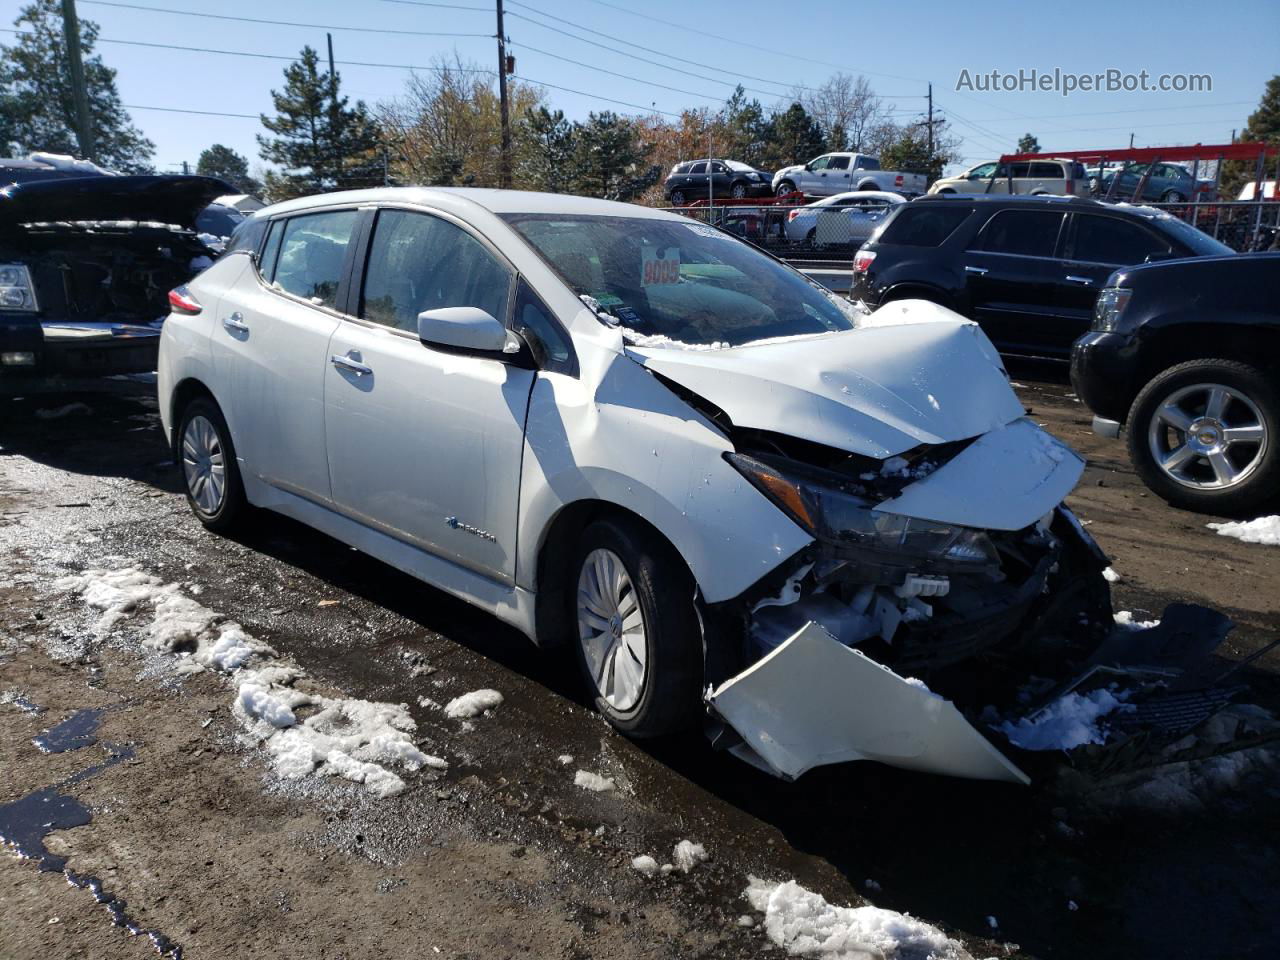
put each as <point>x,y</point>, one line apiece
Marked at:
<point>666,280</point>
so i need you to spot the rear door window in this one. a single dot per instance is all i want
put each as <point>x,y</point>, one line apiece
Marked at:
<point>271,251</point>
<point>1028,233</point>
<point>313,249</point>
<point>1046,171</point>
<point>1112,240</point>
<point>698,168</point>
<point>420,262</point>
<point>924,225</point>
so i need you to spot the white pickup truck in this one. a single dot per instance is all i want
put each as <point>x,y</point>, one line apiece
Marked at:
<point>834,173</point>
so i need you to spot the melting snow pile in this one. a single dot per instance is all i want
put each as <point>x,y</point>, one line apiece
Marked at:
<point>645,864</point>
<point>637,339</point>
<point>688,855</point>
<point>803,923</point>
<point>1110,575</point>
<point>1070,721</point>
<point>354,739</point>
<point>1124,618</point>
<point>592,781</point>
<point>1264,530</point>
<point>472,704</point>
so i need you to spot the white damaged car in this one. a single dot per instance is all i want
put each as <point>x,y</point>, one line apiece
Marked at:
<point>824,535</point>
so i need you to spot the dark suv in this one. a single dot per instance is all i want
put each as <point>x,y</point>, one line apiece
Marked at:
<point>1027,269</point>
<point>1186,355</point>
<point>699,179</point>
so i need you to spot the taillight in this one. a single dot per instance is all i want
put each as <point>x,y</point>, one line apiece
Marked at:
<point>862,261</point>
<point>792,214</point>
<point>897,181</point>
<point>1071,188</point>
<point>181,300</point>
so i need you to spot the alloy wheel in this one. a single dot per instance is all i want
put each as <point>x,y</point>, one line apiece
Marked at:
<point>203,464</point>
<point>1207,436</point>
<point>611,629</point>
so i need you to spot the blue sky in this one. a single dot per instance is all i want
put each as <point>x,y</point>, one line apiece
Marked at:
<point>778,45</point>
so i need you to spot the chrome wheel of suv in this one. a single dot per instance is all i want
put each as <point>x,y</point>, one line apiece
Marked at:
<point>611,629</point>
<point>1208,436</point>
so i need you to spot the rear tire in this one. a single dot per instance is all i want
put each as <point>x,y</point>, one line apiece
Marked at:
<point>638,637</point>
<point>1205,435</point>
<point>207,459</point>
<point>1173,196</point>
<point>738,191</point>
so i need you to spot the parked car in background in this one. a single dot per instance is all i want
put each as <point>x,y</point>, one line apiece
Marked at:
<point>86,267</point>
<point>1050,176</point>
<point>616,428</point>
<point>833,173</point>
<point>1027,269</point>
<point>46,166</point>
<point>846,218</point>
<point>1166,183</point>
<point>216,223</point>
<point>1184,358</point>
<point>1250,189</point>
<point>698,179</point>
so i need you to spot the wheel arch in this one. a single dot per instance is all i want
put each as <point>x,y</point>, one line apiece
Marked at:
<point>1242,339</point>
<point>183,393</point>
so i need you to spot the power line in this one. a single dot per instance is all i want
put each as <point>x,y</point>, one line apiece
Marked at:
<point>663,86</point>
<point>203,113</point>
<point>596,96</point>
<point>279,23</point>
<point>268,56</point>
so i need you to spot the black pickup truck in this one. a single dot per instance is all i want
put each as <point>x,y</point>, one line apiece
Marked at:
<point>1184,357</point>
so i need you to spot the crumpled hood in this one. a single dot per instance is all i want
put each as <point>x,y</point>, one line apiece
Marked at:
<point>163,199</point>
<point>910,377</point>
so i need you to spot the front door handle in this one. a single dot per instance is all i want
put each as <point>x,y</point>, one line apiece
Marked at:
<point>1083,281</point>
<point>976,271</point>
<point>354,366</point>
<point>235,323</point>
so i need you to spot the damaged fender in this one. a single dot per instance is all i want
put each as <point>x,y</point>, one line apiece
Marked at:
<point>814,701</point>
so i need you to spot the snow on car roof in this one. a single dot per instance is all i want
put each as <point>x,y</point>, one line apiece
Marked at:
<point>492,200</point>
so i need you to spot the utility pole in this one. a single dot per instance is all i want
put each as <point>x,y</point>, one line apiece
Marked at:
<point>1130,141</point>
<point>931,123</point>
<point>504,162</point>
<point>71,36</point>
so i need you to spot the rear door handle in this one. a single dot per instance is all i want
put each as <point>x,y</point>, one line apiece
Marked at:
<point>235,323</point>
<point>346,363</point>
<point>976,271</point>
<point>1083,281</point>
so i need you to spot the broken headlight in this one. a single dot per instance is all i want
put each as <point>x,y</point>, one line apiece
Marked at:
<point>824,504</point>
<point>16,291</point>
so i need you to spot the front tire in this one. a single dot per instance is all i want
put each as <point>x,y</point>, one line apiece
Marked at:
<point>1205,435</point>
<point>207,458</point>
<point>639,642</point>
<point>785,187</point>
<point>677,198</point>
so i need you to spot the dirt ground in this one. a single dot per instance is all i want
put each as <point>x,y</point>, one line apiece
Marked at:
<point>502,855</point>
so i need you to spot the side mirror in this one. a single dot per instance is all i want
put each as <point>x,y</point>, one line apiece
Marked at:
<point>465,328</point>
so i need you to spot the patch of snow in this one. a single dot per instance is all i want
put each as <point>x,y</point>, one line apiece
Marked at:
<point>1124,618</point>
<point>349,738</point>
<point>472,704</point>
<point>746,920</point>
<point>67,410</point>
<point>1263,530</point>
<point>637,339</point>
<point>803,923</point>
<point>645,864</point>
<point>1110,575</point>
<point>688,855</point>
<point>593,781</point>
<point>1070,721</point>
<point>564,759</point>
<point>922,686</point>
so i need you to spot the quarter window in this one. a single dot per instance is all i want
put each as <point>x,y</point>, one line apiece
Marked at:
<point>1111,240</point>
<point>419,262</point>
<point>271,250</point>
<point>312,250</point>
<point>1029,233</point>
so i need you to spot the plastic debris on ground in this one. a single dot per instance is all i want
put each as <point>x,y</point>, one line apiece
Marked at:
<point>354,739</point>
<point>1263,530</point>
<point>803,923</point>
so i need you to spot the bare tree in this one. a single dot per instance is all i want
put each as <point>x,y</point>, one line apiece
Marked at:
<point>847,109</point>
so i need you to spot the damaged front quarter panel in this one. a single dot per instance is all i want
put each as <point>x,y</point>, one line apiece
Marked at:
<point>814,701</point>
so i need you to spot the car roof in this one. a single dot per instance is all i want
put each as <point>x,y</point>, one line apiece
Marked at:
<point>485,198</point>
<point>869,194</point>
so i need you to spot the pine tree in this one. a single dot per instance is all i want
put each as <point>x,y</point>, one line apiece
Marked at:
<point>611,157</point>
<point>795,137</point>
<point>37,109</point>
<point>548,159</point>
<point>1028,144</point>
<point>1263,127</point>
<point>320,143</point>
<point>224,163</point>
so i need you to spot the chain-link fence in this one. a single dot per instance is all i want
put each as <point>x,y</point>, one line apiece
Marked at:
<point>828,233</point>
